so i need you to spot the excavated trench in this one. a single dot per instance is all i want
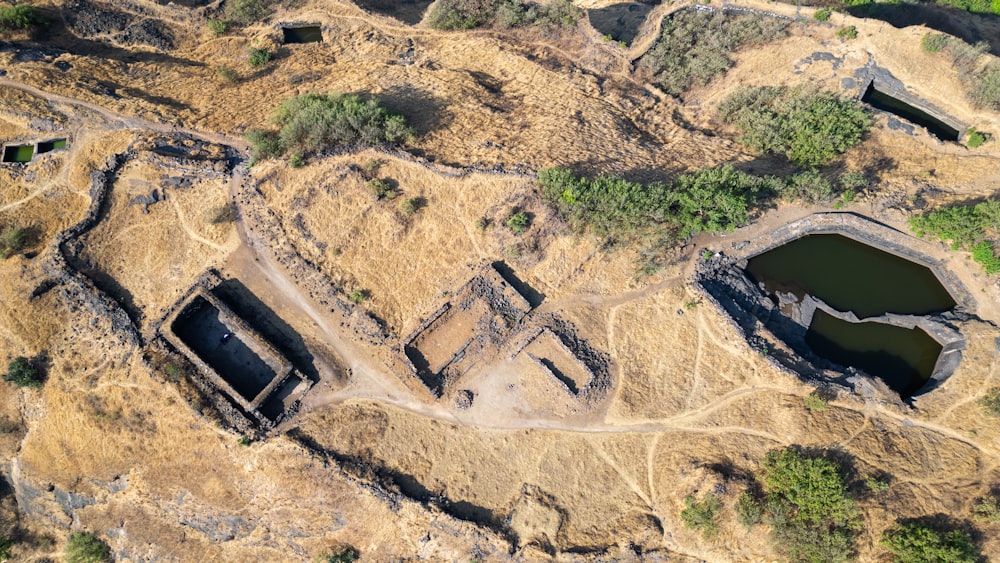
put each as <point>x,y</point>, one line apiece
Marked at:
<point>846,303</point>
<point>909,108</point>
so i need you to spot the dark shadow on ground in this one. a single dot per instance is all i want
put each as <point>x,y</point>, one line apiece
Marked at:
<point>620,21</point>
<point>407,11</point>
<point>265,321</point>
<point>971,28</point>
<point>424,111</point>
<point>532,296</point>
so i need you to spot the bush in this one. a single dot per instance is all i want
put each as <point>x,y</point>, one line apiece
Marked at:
<point>461,14</point>
<point>808,186</point>
<point>259,56</point>
<point>848,32</point>
<point>975,139</point>
<point>84,547</point>
<point>218,27</point>
<point>263,144</point>
<point>702,515</point>
<point>246,12</point>
<point>15,239</point>
<point>822,14</point>
<point>918,542</point>
<point>22,372</point>
<point>815,403</point>
<point>358,297</point>
<point>339,554</point>
<point>711,200</point>
<point>518,222</point>
<point>934,42</point>
<point>748,510</point>
<point>853,181</point>
<point>985,91</point>
<point>876,485</point>
<point>987,509</point>
<point>296,160</point>
<point>5,545</point>
<point>694,47</point>
<point>411,206</point>
<point>381,189</point>
<point>810,128</point>
<point>20,16</point>
<point>227,75</point>
<point>991,402</point>
<point>812,518</point>
<point>315,122</point>
<point>965,226</point>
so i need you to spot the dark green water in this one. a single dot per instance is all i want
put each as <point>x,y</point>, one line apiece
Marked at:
<point>311,34</point>
<point>21,153</point>
<point>903,358</point>
<point>850,276</point>
<point>885,102</point>
<point>49,146</point>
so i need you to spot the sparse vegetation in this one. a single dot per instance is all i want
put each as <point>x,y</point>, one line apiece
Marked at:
<point>815,403</point>
<point>259,56</point>
<point>915,542</point>
<point>702,515</point>
<point>84,547</point>
<point>711,200</point>
<point>411,205</point>
<point>358,297</point>
<point>876,485</point>
<point>694,47</point>
<point>934,42</point>
<point>518,222</point>
<point>13,240</point>
<point>482,224</point>
<point>812,518</point>
<point>991,402</point>
<point>848,32</point>
<point>822,14</point>
<point>218,27</point>
<point>983,81</point>
<point>969,227</point>
<point>23,372</point>
<point>20,16</point>
<point>987,509</point>
<point>748,510</point>
<point>244,441</point>
<point>220,214</point>
<point>296,160</point>
<point>381,189</point>
<point>809,186</point>
<point>853,181</point>
<point>809,127</point>
<point>504,14</point>
<point>246,12</point>
<point>339,554</point>
<point>315,122</point>
<point>5,546</point>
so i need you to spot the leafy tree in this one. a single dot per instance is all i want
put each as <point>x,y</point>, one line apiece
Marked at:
<point>810,128</point>
<point>518,222</point>
<point>917,542</point>
<point>314,122</point>
<point>702,515</point>
<point>22,372</point>
<point>263,144</point>
<point>461,14</point>
<point>84,547</point>
<point>20,16</point>
<point>812,518</point>
<point>259,56</point>
<point>339,554</point>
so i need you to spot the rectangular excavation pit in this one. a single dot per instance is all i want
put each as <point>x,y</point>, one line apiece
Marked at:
<point>302,34</point>
<point>549,351</point>
<point>912,110</point>
<point>49,146</point>
<point>18,153</point>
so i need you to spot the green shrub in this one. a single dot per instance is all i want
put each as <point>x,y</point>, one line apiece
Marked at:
<point>822,14</point>
<point>259,56</point>
<point>815,403</point>
<point>339,554</point>
<point>315,122</point>
<point>518,222</point>
<point>987,509</point>
<point>934,42</point>
<point>22,372</point>
<point>226,74</point>
<point>20,16</point>
<point>359,296</point>
<point>381,189</point>
<point>812,518</point>
<point>218,27</point>
<point>809,186</point>
<point>853,181</point>
<point>218,215</point>
<point>461,14</point>
<point>810,128</point>
<point>710,200</point>
<point>558,13</point>
<point>975,139</point>
<point>702,515</point>
<point>412,205</point>
<point>918,542</point>
<point>848,32</point>
<point>965,226</point>
<point>296,160</point>
<point>991,402</point>
<point>244,441</point>
<point>876,485</point>
<point>694,47</point>
<point>85,547</point>
<point>263,144</point>
<point>5,545</point>
<point>246,12</point>
<point>748,510</point>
